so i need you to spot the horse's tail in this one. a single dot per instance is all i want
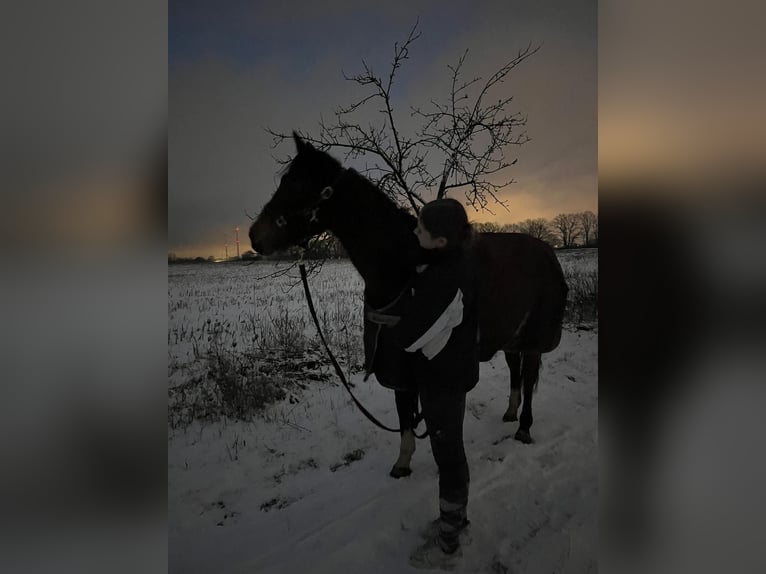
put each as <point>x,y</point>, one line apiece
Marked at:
<point>552,300</point>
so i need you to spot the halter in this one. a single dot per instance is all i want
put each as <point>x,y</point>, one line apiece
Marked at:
<point>310,213</point>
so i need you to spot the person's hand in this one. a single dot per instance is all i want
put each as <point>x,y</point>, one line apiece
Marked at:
<point>382,319</point>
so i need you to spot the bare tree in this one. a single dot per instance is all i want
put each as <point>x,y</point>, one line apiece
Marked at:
<point>487,227</point>
<point>588,224</point>
<point>459,145</point>
<point>539,228</point>
<point>566,224</point>
<point>595,230</point>
<point>511,228</point>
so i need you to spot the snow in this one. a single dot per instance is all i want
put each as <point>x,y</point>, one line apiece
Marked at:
<point>305,487</point>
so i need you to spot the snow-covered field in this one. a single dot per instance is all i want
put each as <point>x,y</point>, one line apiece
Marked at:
<point>303,486</point>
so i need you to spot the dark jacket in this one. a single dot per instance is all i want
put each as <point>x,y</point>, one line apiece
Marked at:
<point>439,322</point>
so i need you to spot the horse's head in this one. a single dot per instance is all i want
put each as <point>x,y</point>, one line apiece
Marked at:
<point>294,213</point>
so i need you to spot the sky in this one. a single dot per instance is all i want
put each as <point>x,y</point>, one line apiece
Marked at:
<point>237,68</point>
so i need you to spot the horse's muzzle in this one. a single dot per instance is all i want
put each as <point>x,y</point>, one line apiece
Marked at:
<point>261,237</point>
<point>255,239</point>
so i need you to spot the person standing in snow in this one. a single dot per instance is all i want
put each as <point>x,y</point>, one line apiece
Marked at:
<point>438,324</point>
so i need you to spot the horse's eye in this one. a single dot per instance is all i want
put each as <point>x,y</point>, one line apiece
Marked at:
<point>281,221</point>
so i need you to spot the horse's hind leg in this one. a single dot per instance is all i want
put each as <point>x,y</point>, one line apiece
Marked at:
<point>530,374</point>
<point>513,359</point>
<point>406,408</point>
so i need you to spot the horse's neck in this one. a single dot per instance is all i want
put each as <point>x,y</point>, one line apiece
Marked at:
<point>374,258</point>
<point>377,242</point>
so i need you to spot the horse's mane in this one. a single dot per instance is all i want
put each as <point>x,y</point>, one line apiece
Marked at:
<point>378,199</point>
<point>377,231</point>
<point>383,202</point>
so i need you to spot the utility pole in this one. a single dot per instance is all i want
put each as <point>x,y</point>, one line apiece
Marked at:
<point>236,231</point>
<point>226,247</point>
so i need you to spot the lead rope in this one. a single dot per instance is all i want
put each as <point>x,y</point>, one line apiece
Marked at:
<point>339,371</point>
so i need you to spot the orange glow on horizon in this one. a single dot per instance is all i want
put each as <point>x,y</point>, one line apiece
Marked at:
<point>531,202</point>
<point>522,206</point>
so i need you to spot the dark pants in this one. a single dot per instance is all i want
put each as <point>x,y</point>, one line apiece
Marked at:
<point>443,412</point>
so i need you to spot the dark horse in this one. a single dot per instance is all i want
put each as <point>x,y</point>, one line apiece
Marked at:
<point>522,291</point>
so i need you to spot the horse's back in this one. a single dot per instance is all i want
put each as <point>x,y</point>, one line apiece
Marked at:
<point>522,293</point>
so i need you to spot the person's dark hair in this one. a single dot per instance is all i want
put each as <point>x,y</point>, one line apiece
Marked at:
<point>447,218</point>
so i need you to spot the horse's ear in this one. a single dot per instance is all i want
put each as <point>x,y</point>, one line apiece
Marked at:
<point>300,145</point>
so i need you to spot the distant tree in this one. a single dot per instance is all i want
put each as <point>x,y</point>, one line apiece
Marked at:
<point>588,224</point>
<point>567,227</point>
<point>539,228</point>
<point>595,230</point>
<point>326,246</point>
<point>487,227</point>
<point>511,228</point>
<point>460,144</point>
<point>249,254</point>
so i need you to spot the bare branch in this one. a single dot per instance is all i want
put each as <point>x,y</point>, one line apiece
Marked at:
<point>460,144</point>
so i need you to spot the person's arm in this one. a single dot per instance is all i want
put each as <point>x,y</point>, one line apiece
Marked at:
<point>382,318</point>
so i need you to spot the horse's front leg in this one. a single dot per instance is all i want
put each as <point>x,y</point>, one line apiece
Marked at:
<point>406,408</point>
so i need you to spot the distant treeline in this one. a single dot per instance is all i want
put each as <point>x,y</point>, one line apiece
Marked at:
<point>563,231</point>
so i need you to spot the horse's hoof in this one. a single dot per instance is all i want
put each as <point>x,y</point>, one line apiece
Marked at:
<point>510,417</point>
<point>523,436</point>
<point>400,471</point>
